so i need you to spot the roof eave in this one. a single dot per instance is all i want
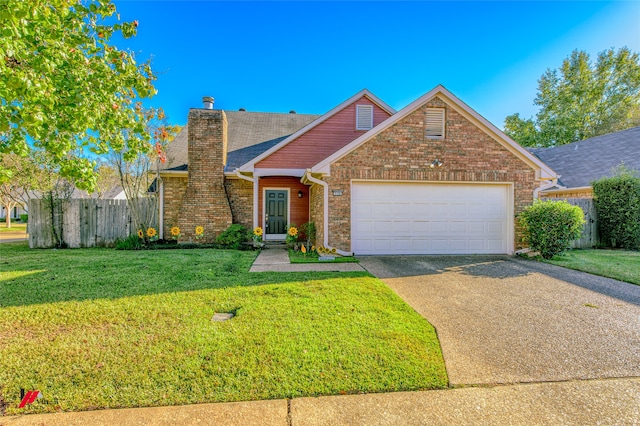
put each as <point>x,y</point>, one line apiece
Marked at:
<point>543,172</point>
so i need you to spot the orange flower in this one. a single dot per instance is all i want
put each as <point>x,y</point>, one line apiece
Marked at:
<point>293,231</point>
<point>199,230</point>
<point>140,233</point>
<point>151,232</point>
<point>175,231</point>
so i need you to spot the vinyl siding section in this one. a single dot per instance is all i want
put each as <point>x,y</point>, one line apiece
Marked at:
<point>299,207</point>
<point>323,140</point>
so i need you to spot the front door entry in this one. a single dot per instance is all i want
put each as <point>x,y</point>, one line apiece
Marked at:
<point>276,214</point>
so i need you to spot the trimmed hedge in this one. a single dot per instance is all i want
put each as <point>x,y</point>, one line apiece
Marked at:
<point>234,237</point>
<point>551,226</point>
<point>617,202</point>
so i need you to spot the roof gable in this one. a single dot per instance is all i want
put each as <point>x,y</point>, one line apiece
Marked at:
<point>249,166</point>
<point>542,170</point>
<point>249,132</point>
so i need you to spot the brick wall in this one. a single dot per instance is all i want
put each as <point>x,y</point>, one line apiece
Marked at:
<point>174,188</point>
<point>316,211</point>
<point>205,201</point>
<point>402,152</point>
<point>240,193</point>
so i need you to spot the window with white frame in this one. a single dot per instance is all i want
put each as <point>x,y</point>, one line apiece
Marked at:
<point>435,123</point>
<point>364,117</point>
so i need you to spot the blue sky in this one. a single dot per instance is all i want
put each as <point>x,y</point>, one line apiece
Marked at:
<point>310,56</point>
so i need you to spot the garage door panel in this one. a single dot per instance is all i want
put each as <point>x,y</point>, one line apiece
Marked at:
<point>439,227</point>
<point>421,218</point>
<point>458,227</point>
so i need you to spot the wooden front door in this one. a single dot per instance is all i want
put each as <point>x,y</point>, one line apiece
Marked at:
<point>276,214</point>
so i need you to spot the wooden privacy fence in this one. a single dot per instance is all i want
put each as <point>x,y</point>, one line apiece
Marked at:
<point>590,236</point>
<point>83,222</point>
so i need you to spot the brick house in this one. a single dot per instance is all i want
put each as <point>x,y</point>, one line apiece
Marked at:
<point>432,178</point>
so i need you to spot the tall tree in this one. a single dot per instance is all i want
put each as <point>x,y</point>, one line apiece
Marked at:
<point>140,174</point>
<point>581,100</point>
<point>65,89</point>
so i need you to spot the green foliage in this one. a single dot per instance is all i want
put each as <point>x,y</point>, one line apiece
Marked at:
<point>24,218</point>
<point>581,100</point>
<point>550,226</point>
<point>132,242</point>
<point>308,231</point>
<point>63,86</point>
<point>293,233</point>
<point>617,202</point>
<point>234,237</point>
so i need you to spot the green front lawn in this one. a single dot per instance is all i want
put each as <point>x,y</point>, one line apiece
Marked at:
<point>98,328</point>
<point>15,227</point>
<point>618,264</point>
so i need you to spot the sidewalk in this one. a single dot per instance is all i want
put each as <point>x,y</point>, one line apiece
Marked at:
<point>608,401</point>
<point>276,259</point>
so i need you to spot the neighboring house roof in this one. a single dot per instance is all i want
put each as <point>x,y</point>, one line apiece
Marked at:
<point>115,193</point>
<point>580,163</point>
<point>544,171</point>
<point>248,135</point>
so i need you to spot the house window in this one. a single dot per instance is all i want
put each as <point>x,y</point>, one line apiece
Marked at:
<point>364,117</point>
<point>435,123</point>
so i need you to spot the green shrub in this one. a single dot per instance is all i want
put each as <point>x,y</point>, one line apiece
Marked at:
<point>308,231</point>
<point>550,226</point>
<point>132,242</point>
<point>617,202</point>
<point>24,218</point>
<point>234,237</point>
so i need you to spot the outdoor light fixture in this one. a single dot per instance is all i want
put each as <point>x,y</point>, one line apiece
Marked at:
<point>436,163</point>
<point>300,194</point>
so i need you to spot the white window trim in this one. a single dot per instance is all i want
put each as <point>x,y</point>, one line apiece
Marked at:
<point>363,107</point>
<point>442,118</point>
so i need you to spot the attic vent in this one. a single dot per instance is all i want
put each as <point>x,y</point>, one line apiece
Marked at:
<point>364,117</point>
<point>435,123</point>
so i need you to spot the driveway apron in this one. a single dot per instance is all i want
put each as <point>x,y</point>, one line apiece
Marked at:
<point>501,320</point>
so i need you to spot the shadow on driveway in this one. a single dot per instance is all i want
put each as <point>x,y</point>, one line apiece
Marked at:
<point>501,320</point>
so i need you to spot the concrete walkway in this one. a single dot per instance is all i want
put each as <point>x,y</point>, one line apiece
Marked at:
<point>276,259</point>
<point>607,402</point>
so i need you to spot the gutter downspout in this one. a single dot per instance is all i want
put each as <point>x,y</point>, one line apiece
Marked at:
<point>161,209</point>
<point>542,187</point>
<point>325,218</point>
<point>255,195</point>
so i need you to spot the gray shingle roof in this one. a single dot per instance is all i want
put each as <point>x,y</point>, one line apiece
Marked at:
<point>249,135</point>
<point>580,163</point>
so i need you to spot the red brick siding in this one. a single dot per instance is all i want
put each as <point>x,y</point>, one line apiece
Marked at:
<point>205,201</point>
<point>323,140</point>
<point>316,211</point>
<point>402,152</point>
<point>173,189</point>
<point>240,193</point>
<point>299,207</point>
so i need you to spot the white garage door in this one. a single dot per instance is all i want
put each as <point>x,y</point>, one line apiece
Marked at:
<point>420,218</point>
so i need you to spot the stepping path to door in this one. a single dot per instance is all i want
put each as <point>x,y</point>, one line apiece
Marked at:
<point>276,259</point>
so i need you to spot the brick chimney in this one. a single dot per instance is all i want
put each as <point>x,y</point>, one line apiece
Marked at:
<point>205,201</point>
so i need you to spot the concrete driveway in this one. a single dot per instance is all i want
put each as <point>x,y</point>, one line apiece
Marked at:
<point>504,320</point>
